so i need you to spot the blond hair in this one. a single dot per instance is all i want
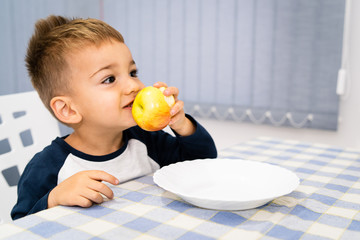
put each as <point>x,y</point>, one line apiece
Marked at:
<point>54,38</point>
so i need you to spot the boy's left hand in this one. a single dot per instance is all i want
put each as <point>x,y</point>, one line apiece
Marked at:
<point>179,123</point>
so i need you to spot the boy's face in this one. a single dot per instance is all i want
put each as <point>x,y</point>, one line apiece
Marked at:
<point>104,83</point>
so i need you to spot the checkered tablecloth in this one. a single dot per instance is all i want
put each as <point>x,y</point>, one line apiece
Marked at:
<point>326,205</point>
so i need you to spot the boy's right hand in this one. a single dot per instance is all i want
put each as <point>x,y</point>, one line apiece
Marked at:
<point>82,189</point>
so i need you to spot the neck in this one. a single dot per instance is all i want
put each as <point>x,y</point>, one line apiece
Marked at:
<point>94,143</point>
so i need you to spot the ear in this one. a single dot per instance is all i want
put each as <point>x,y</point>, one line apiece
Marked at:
<point>64,110</point>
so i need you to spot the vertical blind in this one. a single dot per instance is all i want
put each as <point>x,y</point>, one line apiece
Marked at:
<point>264,61</point>
<point>17,20</point>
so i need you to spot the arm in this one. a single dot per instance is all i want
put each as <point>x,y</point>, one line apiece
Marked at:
<point>192,140</point>
<point>33,188</point>
<point>166,149</point>
<point>198,145</point>
<point>38,188</point>
<point>82,189</point>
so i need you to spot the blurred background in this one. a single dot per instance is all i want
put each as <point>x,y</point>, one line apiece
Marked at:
<point>244,68</point>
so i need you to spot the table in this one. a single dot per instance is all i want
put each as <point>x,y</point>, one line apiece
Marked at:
<point>326,205</point>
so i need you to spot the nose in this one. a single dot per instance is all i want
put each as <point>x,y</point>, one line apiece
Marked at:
<point>133,86</point>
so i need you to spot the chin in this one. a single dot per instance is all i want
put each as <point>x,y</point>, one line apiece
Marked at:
<point>131,123</point>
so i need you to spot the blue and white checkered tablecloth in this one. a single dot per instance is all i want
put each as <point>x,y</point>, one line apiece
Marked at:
<point>326,205</point>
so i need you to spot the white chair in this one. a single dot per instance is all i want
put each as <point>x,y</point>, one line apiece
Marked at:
<point>26,127</point>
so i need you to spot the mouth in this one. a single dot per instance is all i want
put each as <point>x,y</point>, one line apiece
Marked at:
<point>129,105</point>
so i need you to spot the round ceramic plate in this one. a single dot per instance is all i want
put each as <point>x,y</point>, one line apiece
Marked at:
<point>226,184</point>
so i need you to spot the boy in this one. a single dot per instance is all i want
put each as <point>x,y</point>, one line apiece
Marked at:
<point>85,75</point>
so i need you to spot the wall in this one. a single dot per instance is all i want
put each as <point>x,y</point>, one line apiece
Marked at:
<point>348,133</point>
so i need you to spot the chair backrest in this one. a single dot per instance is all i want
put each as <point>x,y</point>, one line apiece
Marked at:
<point>26,127</point>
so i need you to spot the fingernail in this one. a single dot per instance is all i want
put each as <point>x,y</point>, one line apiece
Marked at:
<point>116,182</point>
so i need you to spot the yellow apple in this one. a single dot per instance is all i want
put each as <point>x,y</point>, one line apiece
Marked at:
<point>151,108</point>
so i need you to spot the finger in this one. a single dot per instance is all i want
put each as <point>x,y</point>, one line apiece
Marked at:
<point>101,188</point>
<point>179,105</point>
<point>92,195</point>
<point>83,202</point>
<point>175,118</point>
<point>103,176</point>
<point>171,91</point>
<point>160,84</point>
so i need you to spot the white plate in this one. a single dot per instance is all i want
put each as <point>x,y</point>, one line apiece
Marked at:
<point>226,184</point>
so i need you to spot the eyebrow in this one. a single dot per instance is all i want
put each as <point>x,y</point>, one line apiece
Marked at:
<point>101,69</point>
<point>132,62</point>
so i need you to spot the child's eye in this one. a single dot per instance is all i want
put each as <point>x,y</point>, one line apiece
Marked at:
<point>109,80</point>
<point>134,73</point>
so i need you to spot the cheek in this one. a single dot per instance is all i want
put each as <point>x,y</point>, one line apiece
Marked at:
<point>108,107</point>
<point>97,105</point>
